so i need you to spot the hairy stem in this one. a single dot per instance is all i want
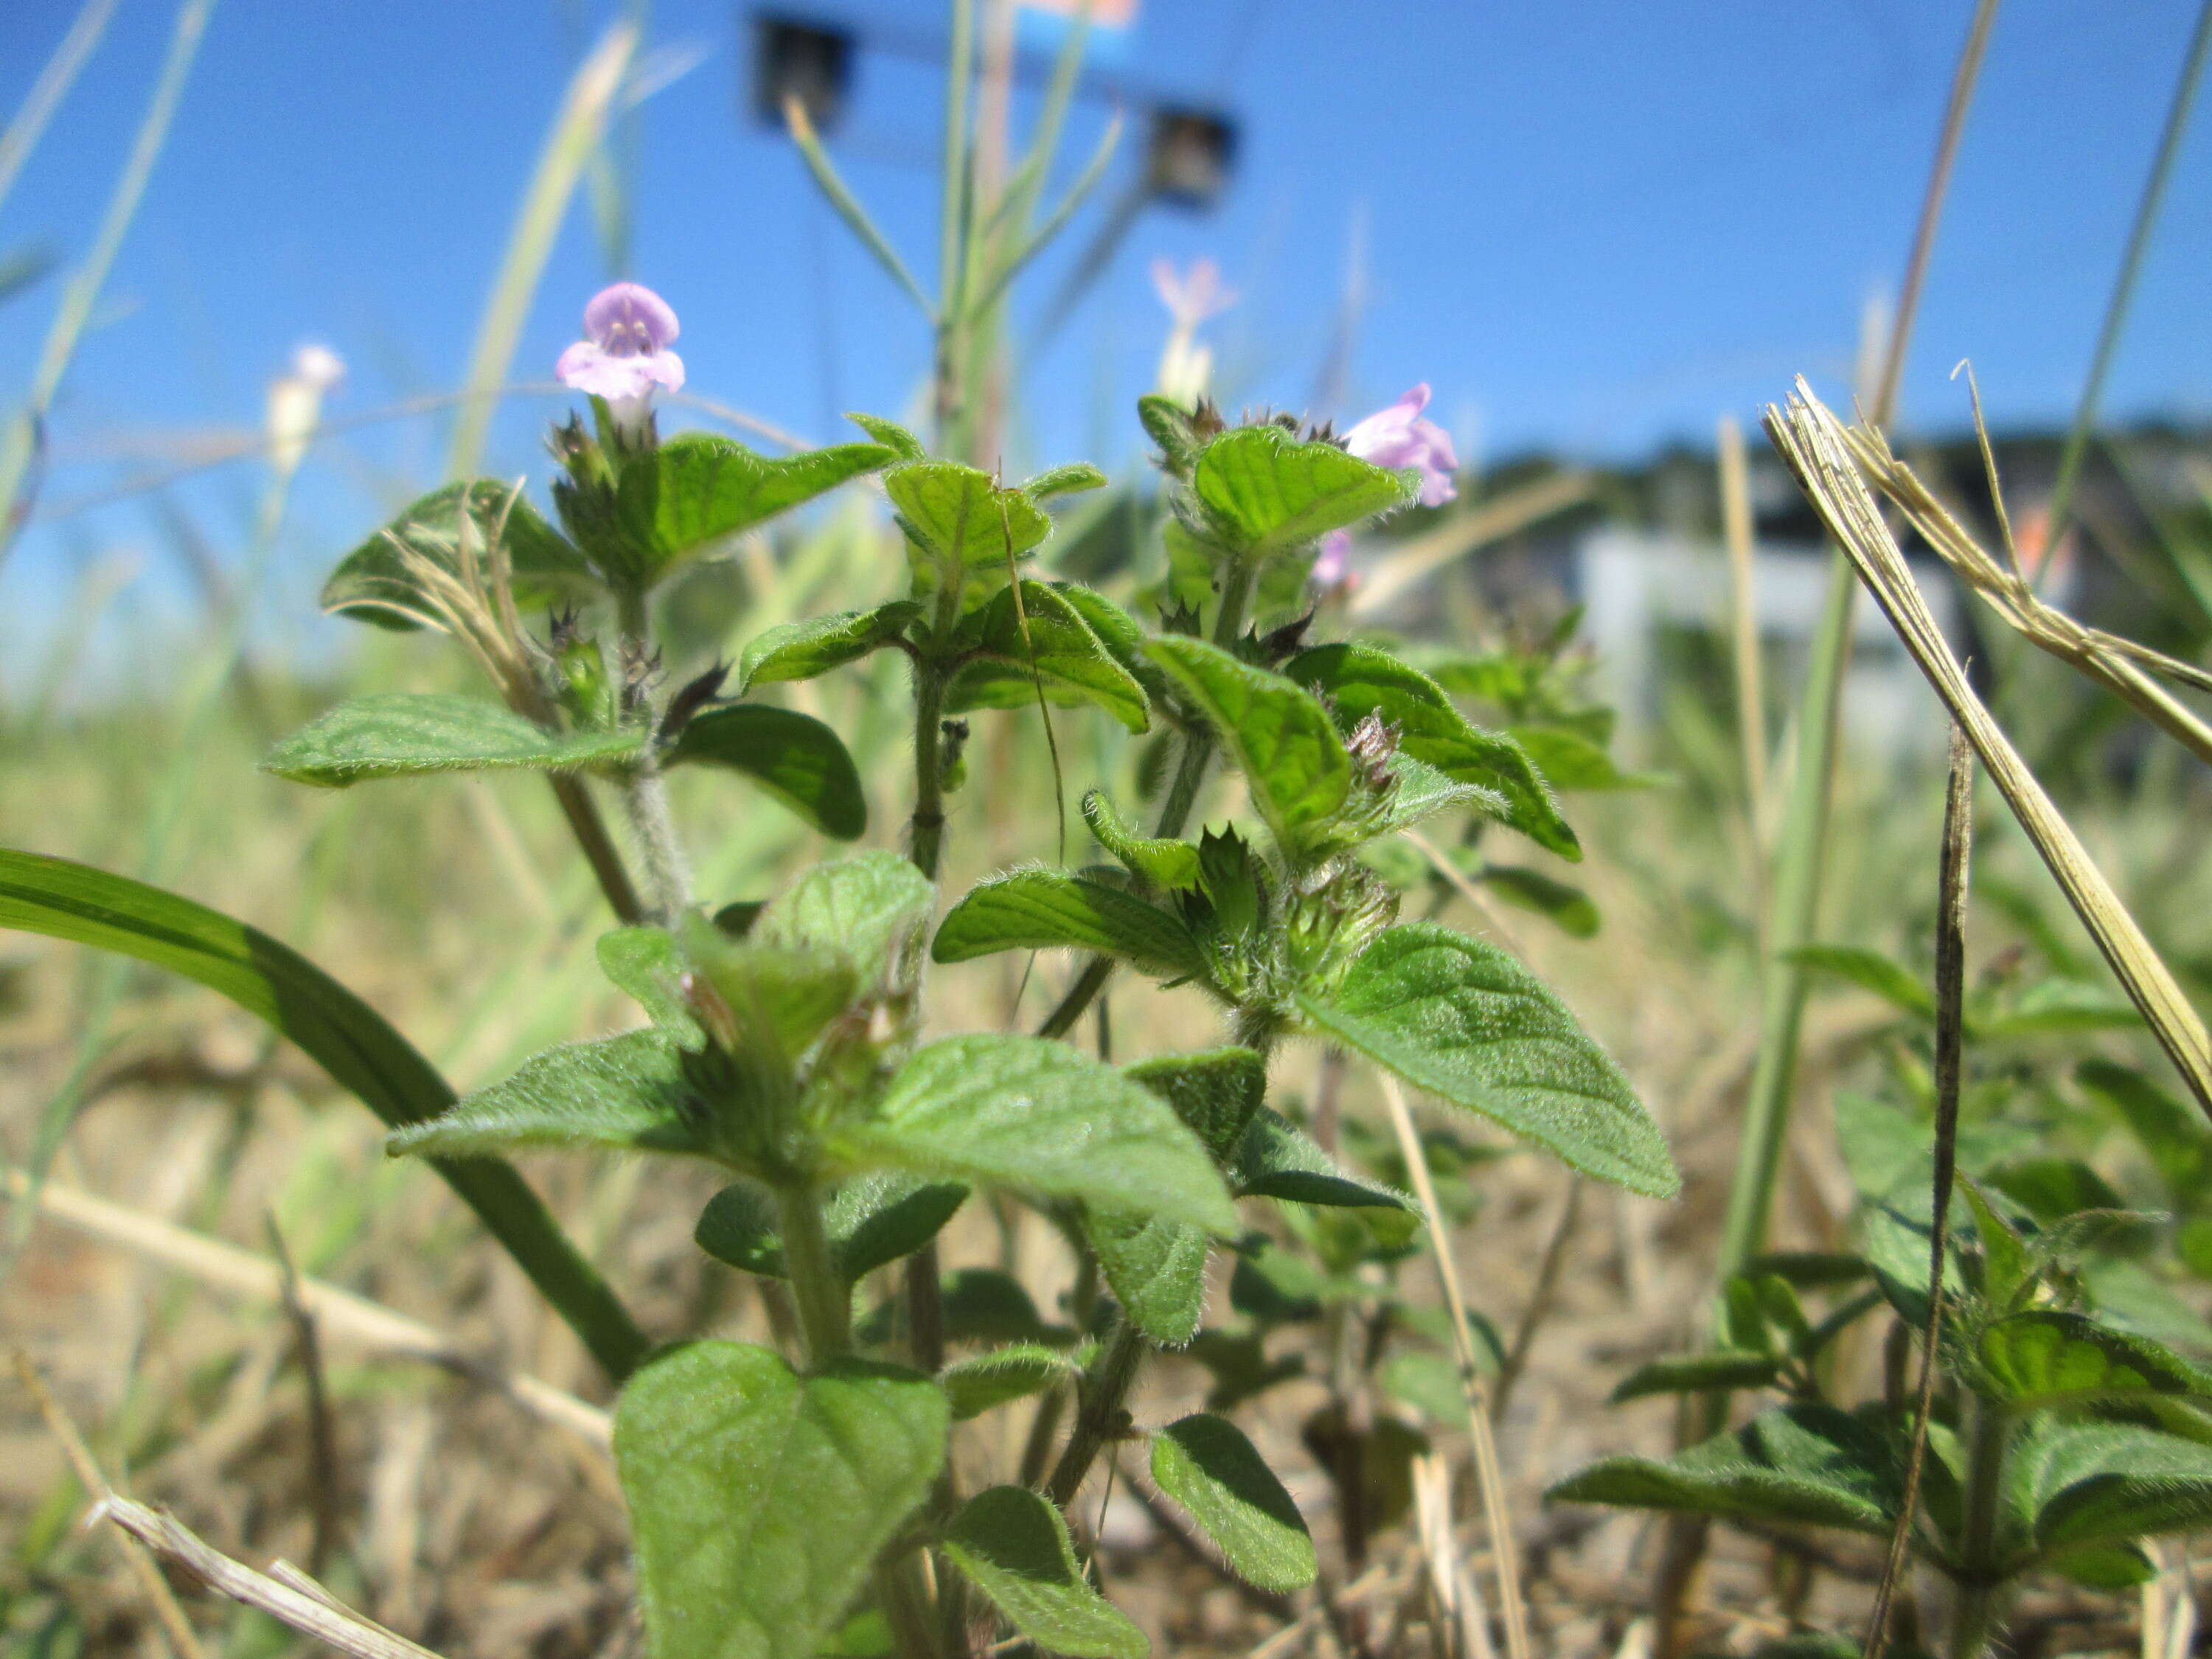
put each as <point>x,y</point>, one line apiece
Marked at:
<point>1182,795</point>
<point>1979,1585</point>
<point>645,794</point>
<point>825,1306</point>
<point>1103,1392</point>
<point>599,848</point>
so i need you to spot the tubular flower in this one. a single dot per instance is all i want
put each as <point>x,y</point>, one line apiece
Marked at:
<point>1398,436</point>
<point>625,356</point>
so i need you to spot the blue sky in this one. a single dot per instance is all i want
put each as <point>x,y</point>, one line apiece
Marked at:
<point>1592,225</point>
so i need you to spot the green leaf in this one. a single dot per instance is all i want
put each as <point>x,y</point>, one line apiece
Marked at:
<point>622,1093</point>
<point>1279,1160</point>
<point>1571,760</point>
<point>977,1384</point>
<point>696,489</point>
<point>648,964</point>
<point>1292,760</point>
<point>1463,1019</point>
<point>336,1030</point>
<point>1064,480</point>
<point>1032,1113</point>
<point>873,1219</point>
<point>891,435</point>
<point>863,907</point>
<point>1068,658</point>
<point>1261,492</point>
<point>960,519</point>
<point>1695,1373</point>
<point>2046,1358</point>
<point>1013,1547</point>
<point>399,734</point>
<point>2173,1134</point>
<point>2103,1567</point>
<point>1217,1094</point>
<point>1531,889</point>
<point>1869,970</point>
<point>1165,864</point>
<point>802,650</point>
<point>372,583</point>
<point>2051,1187</point>
<point>2059,1006</point>
<point>1207,1465</point>
<point>1419,791</point>
<point>1360,680</point>
<point>1430,1383</point>
<point>1157,1270</point>
<point>1046,909</point>
<point>1809,1464</point>
<point>758,1498</point>
<point>2095,1484</point>
<point>798,759</point>
<point>1122,635</point>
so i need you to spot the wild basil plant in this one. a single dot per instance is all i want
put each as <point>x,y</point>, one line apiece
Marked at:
<point>776,1496</point>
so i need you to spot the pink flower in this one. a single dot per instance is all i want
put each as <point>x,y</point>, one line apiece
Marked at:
<point>1333,569</point>
<point>1191,297</point>
<point>1398,437</point>
<point>626,356</point>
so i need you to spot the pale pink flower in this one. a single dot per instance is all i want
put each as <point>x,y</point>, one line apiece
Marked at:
<point>626,354</point>
<point>1191,296</point>
<point>1398,436</point>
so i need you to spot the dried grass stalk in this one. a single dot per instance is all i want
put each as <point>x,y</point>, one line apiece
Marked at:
<point>1822,456</point>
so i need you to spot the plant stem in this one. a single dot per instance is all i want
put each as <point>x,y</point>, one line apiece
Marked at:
<point>1182,795</point>
<point>825,1306</point>
<point>926,842</point>
<point>1979,1585</point>
<point>598,847</point>
<point>1103,1391</point>
<point>645,794</point>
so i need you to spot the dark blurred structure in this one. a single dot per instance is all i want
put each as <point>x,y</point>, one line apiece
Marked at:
<point>1188,156</point>
<point>804,58</point>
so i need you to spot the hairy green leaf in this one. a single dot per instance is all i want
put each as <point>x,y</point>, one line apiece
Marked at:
<point>2174,1135</point>
<point>1216,1093</point>
<point>1261,492</point>
<point>959,517</point>
<point>1167,864</point>
<point>795,756</point>
<point>1277,1159</point>
<point>372,583</point>
<point>1064,480</point>
<point>1810,1464</point>
<point>2090,1484</point>
<point>1029,1112</point>
<point>696,489</point>
<point>1012,1546</point>
<point>891,435</point>
<point>1157,1269</point>
<point>1292,760</point>
<point>758,1498</point>
<point>976,1384</point>
<point>873,1220</point>
<point>622,1093</point>
<point>1045,910</point>
<point>1045,640</point>
<point>1207,1465</point>
<point>648,964</point>
<point>1360,680</point>
<point>863,907</point>
<point>1695,1373</point>
<point>2046,1358</point>
<point>336,1030</point>
<point>1571,760</point>
<point>1462,1019</point>
<point>397,734</point>
<point>802,650</point>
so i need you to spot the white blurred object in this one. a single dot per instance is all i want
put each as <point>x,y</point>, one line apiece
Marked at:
<point>295,407</point>
<point>1191,297</point>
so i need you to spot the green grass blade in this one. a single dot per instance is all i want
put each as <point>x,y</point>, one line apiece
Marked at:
<point>52,85</point>
<point>848,207</point>
<point>568,146</point>
<point>19,444</point>
<point>1056,221</point>
<point>348,1039</point>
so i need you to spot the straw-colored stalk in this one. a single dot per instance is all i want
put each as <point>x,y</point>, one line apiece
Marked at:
<point>1822,456</point>
<point>1489,1475</point>
<point>2120,665</point>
